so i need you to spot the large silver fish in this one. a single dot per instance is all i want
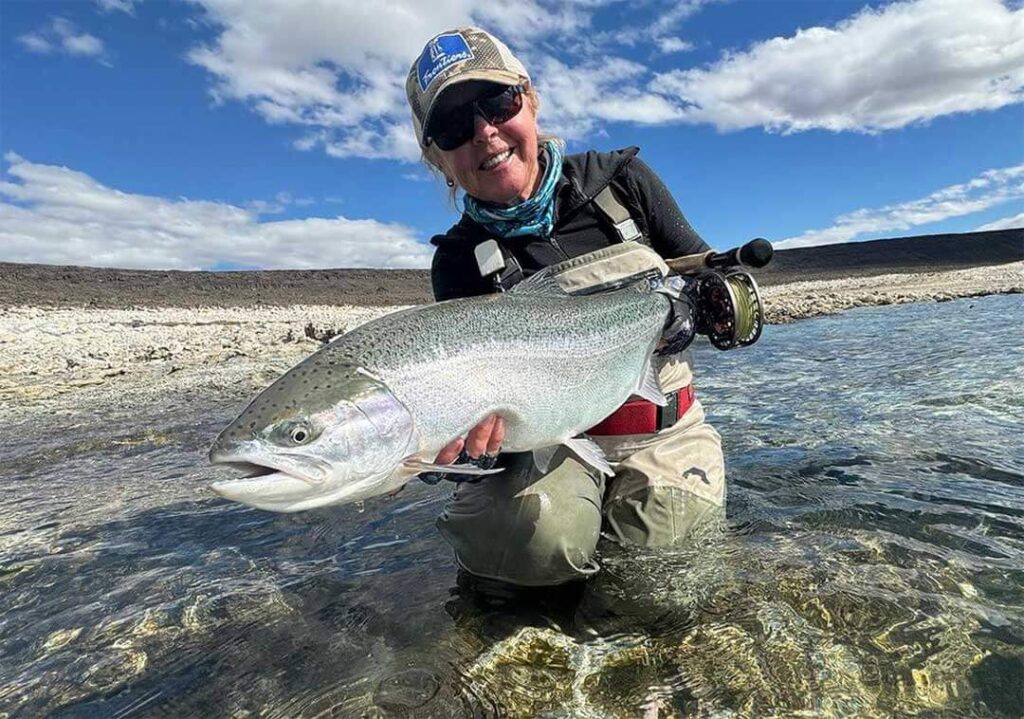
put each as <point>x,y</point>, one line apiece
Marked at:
<point>371,410</point>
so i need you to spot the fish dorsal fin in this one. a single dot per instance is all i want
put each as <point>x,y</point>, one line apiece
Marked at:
<point>541,284</point>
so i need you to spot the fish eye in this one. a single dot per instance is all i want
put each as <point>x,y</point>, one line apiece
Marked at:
<point>300,434</point>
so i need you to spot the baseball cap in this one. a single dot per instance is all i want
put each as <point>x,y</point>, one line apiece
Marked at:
<point>453,57</point>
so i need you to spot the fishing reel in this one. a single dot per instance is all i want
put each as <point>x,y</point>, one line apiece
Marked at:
<point>723,299</point>
<point>728,309</point>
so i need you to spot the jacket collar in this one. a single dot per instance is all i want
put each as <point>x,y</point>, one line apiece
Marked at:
<point>583,176</point>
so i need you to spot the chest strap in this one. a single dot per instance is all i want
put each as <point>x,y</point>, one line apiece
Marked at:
<point>617,214</point>
<point>495,262</point>
<point>639,416</point>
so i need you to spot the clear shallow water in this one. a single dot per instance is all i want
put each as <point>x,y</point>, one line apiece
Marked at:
<point>873,562</point>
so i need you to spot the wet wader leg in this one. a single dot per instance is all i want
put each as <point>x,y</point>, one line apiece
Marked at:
<point>526,528</point>
<point>667,484</point>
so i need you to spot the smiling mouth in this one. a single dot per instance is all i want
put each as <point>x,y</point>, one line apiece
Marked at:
<point>495,160</point>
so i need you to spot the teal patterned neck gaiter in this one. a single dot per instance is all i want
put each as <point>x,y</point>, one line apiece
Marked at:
<point>534,216</point>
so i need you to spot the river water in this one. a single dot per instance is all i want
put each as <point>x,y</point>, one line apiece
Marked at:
<point>872,564</point>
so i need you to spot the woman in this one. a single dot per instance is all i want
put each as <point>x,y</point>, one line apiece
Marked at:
<point>598,217</point>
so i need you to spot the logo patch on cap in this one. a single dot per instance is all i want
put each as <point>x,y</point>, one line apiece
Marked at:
<point>444,50</point>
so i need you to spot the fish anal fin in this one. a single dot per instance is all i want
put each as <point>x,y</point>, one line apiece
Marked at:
<point>542,457</point>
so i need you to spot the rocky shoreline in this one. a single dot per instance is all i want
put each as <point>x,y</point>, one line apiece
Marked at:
<point>64,361</point>
<point>798,300</point>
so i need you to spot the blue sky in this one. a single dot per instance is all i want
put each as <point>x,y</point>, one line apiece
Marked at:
<point>274,133</point>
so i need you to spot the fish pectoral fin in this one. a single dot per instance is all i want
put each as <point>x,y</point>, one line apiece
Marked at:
<point>590,453</point>
<point>650,387</point>
<point>417,466</point>
<point>542,457</point>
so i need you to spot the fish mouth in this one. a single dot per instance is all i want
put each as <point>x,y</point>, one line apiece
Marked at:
<point>276,488</point>
<point>304,469</point>
<point>265,487</point>
<point>250,470</point>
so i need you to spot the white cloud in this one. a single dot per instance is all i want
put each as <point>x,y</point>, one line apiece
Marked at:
<point>56,215</point>
<point>668,19</point>
<point>1006,223</point>
<point>659,24</point>
<point>990,188</point>
<point>34,42</point>
<point>74,42</point>
<point>125,6</point>
<point>527,22</point>
<point>281,202</point>
<point>61,35</point>
<point>337,68</point>
<point>671,44</point>
<point>418,176</point>
<point>575,100</point>
<point>906,63</point>
<point>87,45</point>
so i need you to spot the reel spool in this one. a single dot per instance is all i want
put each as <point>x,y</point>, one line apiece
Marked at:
<point>733,315</point>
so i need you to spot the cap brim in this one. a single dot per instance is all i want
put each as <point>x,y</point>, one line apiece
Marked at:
<point>499,77</point>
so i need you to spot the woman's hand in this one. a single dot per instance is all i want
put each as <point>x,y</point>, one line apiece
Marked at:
<point>484,438</point>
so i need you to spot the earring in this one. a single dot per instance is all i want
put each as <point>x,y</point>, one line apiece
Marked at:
<point>449,181</point>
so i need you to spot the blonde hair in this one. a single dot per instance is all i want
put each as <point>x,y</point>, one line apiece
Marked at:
<point>434,160</point>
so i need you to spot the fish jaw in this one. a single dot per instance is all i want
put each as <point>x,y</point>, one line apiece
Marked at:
<point>277,492</point>
<point>277,482</point>
<point>259,456</point>
<point>282,492</point>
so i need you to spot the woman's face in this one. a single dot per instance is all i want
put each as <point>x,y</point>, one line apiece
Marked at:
<point>499,163</point>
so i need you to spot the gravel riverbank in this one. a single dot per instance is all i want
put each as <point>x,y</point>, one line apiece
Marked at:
<point>69,361</point>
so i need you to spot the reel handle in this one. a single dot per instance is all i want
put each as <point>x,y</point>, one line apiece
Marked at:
<point>756,253</point>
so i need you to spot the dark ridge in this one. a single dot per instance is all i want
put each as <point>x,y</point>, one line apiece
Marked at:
<point>48,285</point>
<point>30,284</point>
<point>925,253</point>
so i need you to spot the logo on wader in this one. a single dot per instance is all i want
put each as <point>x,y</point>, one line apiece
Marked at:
<point>701,474</point>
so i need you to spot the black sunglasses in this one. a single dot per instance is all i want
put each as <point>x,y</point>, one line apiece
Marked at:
<point>452,128</point>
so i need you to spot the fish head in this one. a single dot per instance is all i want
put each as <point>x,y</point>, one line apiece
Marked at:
<point>322,434</point>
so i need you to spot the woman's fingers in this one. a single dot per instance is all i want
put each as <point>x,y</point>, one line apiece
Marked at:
<point>479,436</point>
<point>485,438</point>
<point>450,451</point>
<point>497,436</point>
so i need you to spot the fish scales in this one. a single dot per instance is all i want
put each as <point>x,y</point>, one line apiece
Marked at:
<point>552,366</point>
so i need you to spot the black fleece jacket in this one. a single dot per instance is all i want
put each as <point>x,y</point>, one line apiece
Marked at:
<point>579,226</point>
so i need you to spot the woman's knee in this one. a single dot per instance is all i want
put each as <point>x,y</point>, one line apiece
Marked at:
<point>530,546</point>
<point>545,533</point>
<point>661,516</point>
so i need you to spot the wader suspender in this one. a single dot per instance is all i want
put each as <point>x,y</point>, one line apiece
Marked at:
<point>617,214</point>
